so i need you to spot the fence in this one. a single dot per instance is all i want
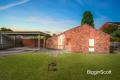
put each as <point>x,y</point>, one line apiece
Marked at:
<point>115,47</point>
<point>4,46</point>
<point>8,41</point>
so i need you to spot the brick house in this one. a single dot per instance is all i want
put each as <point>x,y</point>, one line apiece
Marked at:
<point>81,39</point>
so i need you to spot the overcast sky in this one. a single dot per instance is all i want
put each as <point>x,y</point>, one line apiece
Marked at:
<point>55,15</point>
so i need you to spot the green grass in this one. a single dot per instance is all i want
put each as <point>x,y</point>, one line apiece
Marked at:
<point>70,66</point>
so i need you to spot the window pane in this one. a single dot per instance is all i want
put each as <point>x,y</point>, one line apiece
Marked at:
<point>91,49</point>
<point>91,42</point>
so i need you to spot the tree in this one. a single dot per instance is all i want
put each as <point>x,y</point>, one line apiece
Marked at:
<point>47,36</point>
<point>111,28</point>
<point>116,33</point>
<point>54,34</point>
<point>5,29</point>
<point>87,19</point>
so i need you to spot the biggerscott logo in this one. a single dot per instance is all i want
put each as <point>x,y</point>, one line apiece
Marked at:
<point>91,72</point>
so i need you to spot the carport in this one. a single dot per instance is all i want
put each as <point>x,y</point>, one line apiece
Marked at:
<point>22,39</point>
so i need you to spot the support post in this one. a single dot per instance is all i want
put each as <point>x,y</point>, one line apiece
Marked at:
<point>1,41</point>
<point>39,41</point>
<point>44,43</point>
<point>14,41</point>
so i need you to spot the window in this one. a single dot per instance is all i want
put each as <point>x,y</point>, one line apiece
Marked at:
<point>91,49</point>
<point>60,39</point>
<point>91,42</point>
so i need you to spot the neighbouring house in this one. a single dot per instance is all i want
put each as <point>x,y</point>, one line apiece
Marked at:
<point>107,25</point>
<point>81,39</point>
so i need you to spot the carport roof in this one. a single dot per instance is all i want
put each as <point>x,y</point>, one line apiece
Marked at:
<point>23,33</point>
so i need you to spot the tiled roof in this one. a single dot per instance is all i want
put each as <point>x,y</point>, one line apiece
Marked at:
<point>107,24</point>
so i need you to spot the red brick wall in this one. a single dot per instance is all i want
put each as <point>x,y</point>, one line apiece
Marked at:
<point>32,42</point>
<point>77,40</point>
<point>28,42</point>
<point>52,43</point>
<point>102,42</point>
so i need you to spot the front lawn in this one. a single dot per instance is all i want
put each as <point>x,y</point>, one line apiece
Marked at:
<point>69,66</point>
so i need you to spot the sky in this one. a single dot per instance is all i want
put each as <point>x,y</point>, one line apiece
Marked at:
<point>55,15</point>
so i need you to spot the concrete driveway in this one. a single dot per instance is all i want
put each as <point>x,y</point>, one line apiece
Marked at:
<point>17,50</point>
<point>21,50</point>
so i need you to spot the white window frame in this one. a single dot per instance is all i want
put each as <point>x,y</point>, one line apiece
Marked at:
<point>60,39</point>
<point>91,49</point>
<point>91,42</point>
